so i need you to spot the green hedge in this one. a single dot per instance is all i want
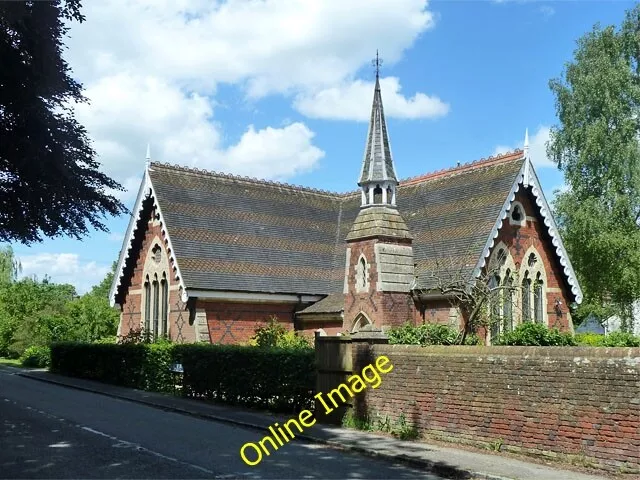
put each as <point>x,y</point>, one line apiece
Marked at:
<point>270,378</point>
<point>109,363</point>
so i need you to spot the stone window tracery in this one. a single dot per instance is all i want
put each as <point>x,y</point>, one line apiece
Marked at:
<point>500,273</point>
<point>155,299</point>
<point>534,295</point>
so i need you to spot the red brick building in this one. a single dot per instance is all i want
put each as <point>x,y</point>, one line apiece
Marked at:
<point>208,256</point>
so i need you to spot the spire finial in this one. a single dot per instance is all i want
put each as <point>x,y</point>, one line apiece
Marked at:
<point>377,63</point>
<point>526,143</point>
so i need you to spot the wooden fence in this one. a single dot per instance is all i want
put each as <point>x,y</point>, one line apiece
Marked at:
<point>334,365</point>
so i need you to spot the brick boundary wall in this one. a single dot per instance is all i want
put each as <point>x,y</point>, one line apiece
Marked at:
<point>577,405</point>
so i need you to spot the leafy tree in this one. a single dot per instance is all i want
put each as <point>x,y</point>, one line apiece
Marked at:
<point>102,289</point>
<point>10,266</point>
<point>50,182</point>
<point>36,313</point>
<point>33,312</point>
<point>597,147</point>
<point>93,318</point>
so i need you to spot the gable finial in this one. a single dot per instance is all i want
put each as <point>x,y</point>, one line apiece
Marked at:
<point>148,156</point>
<point>377,63</point>
<point>526,178</point>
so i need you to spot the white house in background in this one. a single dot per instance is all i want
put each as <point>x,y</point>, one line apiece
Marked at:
<point>612,324</point>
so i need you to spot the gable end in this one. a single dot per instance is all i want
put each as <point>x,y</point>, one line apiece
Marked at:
<point>527,177</point>
<point>145,192</point>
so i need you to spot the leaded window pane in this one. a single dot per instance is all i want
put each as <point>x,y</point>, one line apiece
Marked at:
<point>165,307</point>
<point>156,302</point>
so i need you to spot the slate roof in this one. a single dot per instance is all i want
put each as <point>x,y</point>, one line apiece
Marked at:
<point>377,164</point>
<point>333,303</point>
<point>240,234</point>
<point>379,221</point>
<point>232,233</point>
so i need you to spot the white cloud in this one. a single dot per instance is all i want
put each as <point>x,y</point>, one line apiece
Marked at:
<point>282,152</point>
<point>151,70</point>
<point>270,44</point>
<point>547,10</point>
<point>64,268</point>
<point>537,147</point>
<point>502,149</point>
<point>349,101</point>
<point>128,110</point>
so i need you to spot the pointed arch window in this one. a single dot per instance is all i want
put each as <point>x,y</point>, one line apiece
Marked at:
<point>363,273</point>
<point>494,283</point>
<point>507,307</point>
<point>537,299</point>
<point>147,305</point>
<point>164,305</point>
<point>526,298</point>
<point>377,195</point>
<point>156,305</point>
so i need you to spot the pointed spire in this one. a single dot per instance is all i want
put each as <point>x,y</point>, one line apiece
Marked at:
<point>377,165</point>
<point>526,143</point>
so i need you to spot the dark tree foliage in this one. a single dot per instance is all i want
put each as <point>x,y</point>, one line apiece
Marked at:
<point>50,183</point>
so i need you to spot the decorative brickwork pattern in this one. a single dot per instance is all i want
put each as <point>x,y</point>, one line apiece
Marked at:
<point>131,307</point>
<point>231,322</point>
<point>518,239</point>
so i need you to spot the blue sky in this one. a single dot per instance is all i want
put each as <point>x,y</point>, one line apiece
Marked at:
<point>283,90</point>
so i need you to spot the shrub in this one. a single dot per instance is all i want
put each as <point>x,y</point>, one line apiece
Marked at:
<point>473,339</point>
<point>424,334</point>
<point>36,357</point>
<point>621,339</point>
<point>589,339</point>
<point>274,334</point>
<point>530,334</point>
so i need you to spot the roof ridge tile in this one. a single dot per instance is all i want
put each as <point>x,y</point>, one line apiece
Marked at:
<point>244,178</point>
<point>465,167</point>
<point>482,162</point>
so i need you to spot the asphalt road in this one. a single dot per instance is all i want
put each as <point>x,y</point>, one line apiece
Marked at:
<point>50,431</point>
